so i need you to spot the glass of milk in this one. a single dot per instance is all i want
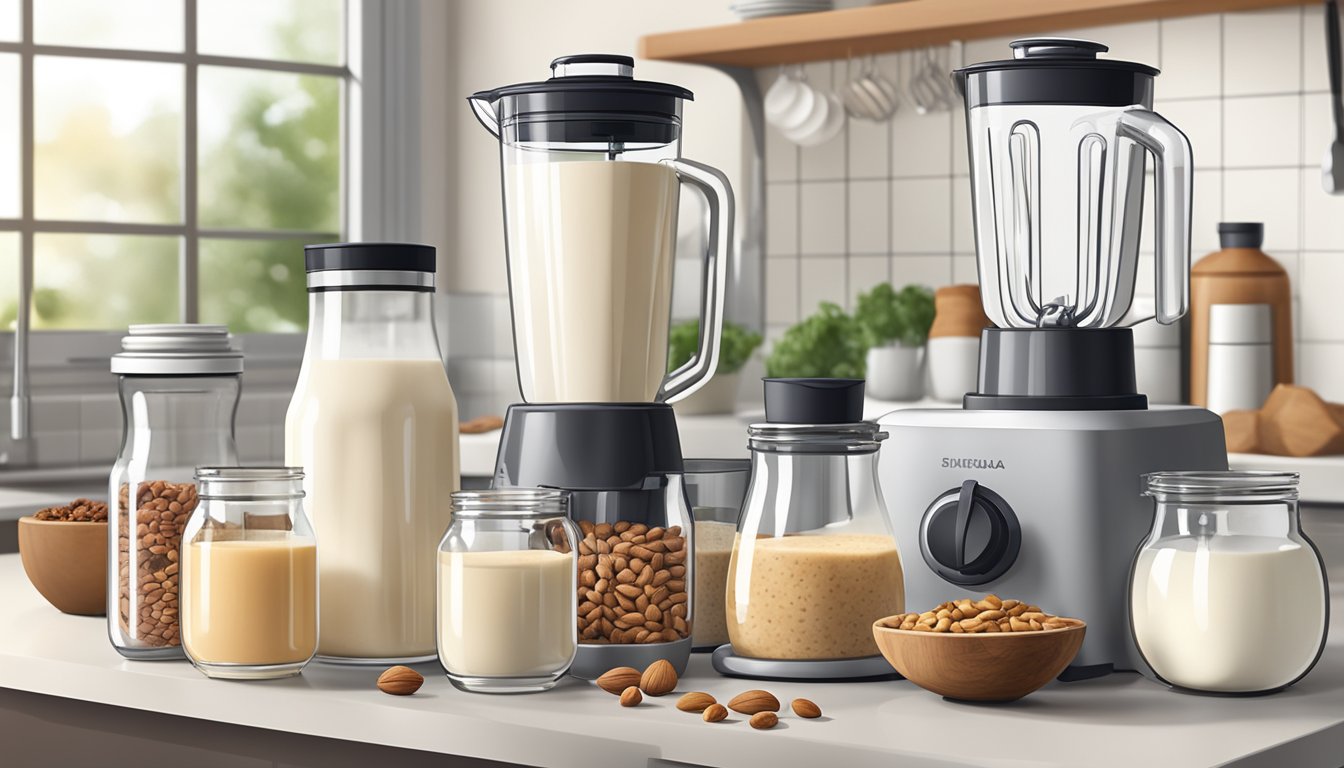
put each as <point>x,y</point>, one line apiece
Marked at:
<point>1227,594</point>
<point>507,573</point>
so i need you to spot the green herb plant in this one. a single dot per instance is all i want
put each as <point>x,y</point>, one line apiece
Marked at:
<point>736,344</point>
<point>887,315</point>
<point>828,344</point>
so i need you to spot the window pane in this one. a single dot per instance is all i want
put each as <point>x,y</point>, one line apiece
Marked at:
<point>9,137</point>
<point>290,30</point>
<point>9,280</point>
<point>104,281</point>
<point>254,286</point>
<point>145,25</point>
<point>269,150</point>
<point>108,140</point>
<point>9,20</point>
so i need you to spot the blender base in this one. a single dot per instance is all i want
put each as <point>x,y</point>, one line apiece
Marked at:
<point>868,668</point>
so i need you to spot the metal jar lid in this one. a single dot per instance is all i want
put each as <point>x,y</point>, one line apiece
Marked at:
<point>177,350</point>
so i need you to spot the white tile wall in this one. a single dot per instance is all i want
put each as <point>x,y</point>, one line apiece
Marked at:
<point>1249,89</point>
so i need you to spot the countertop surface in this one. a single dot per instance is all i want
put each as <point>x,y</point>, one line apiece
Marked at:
<point>1120,720</point>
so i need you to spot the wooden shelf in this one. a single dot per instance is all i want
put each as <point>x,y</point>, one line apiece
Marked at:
<point>910,24</point>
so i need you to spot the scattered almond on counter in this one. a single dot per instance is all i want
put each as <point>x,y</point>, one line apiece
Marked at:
<point>805,708</point>
<point>400,681</point>
<point>754,701</point>
<point>631,697</point>
<point>616,680</point>
<point>714,713</point>
<point>988,615</point>
<point>659,679</point>
<point>764,720</point>
<point>695,701</point>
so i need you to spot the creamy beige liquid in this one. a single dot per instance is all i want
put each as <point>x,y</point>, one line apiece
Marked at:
<point>506,614</point>
<point>591,247</point>
<point>378,442</point>
<point>713,550</point>
<point>1245,616</point>
<point>251,600</point>
<point>812,597</point>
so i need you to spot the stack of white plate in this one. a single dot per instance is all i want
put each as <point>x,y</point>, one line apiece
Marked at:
<point>757,9</point>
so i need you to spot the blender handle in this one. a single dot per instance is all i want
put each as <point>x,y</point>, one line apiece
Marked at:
<point>718,193</point>
<point>1174,181</point>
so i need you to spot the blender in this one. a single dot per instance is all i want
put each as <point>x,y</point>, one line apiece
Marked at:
<point>592,170</point>
<point>1031,490</point>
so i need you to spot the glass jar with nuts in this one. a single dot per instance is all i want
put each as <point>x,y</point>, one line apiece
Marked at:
<point>179,387</point>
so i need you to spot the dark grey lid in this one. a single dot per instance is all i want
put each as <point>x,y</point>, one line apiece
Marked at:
<point>1056,70</point>
<point>379,266</point>
<point>1241,234</point>
<point>813,401</point>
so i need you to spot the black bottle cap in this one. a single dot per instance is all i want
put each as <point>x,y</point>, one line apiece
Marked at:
<point>1241,234</point>
<point>813,401</point>
<point>401,257</point>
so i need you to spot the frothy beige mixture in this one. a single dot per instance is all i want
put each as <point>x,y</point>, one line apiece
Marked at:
<point>713,550</point>
<point>377,440</point>
<point>591,246</point>
<point>506,614</point>
<point>812,596</point>
<point>250,600</point>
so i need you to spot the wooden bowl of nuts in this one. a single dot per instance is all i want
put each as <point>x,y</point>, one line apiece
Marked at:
<point>953,651</point>
<point>64,553</point>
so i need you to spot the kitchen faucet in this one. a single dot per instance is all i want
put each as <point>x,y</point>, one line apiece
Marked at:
<point>16,451</point>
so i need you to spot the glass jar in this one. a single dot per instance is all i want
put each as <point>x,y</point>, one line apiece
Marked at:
<point>373,424</point>
<point>249,575</point>
<point>179,387</point>
<point>507,584</point>
<point>1227,594</point>
<point>715,489</point>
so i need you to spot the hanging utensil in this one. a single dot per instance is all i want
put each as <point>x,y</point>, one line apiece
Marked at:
<point>1332,170</point>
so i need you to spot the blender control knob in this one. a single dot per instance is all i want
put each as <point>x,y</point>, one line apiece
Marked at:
<point>970,535</point>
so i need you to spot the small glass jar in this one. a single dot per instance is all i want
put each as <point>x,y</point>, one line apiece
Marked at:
<point>179,387</point>
<point>715,489</point>
<point>1227,594</point>
<point>507,591</point>
<point>249,575</point>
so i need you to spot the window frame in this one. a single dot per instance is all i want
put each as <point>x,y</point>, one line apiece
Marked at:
<point>356,17</point>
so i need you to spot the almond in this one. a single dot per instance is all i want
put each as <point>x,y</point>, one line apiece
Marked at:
<point>764,720</point>
<point>400,681</point>
<point>659,679</point>
<point>805,708</point>
<point>695,701</point>
<point>714,713</point>
<point>754,701</point>
<point>630,697</point>
<point>615,681</point>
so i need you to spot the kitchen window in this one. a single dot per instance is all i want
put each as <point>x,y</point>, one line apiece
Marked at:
<point>165,160</point>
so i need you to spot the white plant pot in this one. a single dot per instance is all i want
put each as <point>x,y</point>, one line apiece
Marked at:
<point>718,395</point>
<point>953,365</point>
<point>896,373</point>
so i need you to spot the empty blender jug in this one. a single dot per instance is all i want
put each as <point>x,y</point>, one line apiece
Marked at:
<point>591,163</point>
<point>1058,142</point>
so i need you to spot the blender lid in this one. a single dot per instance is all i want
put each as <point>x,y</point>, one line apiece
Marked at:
<point>1056,70</point>
<point>586,81</point>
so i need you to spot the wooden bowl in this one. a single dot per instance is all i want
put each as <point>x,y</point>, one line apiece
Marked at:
<point>997,666</point>
<point>67,563</point>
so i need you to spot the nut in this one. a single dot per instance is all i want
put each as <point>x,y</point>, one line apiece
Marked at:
<point>149,543</point>
<point>661,677</point>
<point>639,573</point>
<point>400,681</point>
<point>695,701</point>
<point>714,713</point>
<point>77,511</point>
<point>988,615</point>
<point>753,702</point>
<point>764,720</point>
<point>805,708</point>
<point>615,681</point>
<point>631,697</point>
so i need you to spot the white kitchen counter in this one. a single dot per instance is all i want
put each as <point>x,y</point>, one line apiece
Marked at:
<point>1120,720</point>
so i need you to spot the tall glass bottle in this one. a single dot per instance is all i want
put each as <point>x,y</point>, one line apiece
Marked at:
<point>373,424</point>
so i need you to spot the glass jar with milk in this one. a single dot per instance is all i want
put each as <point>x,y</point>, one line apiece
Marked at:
<point>373,424</point>
<point>1227,594</point>
<point>508,590</point>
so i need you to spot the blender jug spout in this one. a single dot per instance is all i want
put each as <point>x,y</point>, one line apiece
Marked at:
<point>483,106</point>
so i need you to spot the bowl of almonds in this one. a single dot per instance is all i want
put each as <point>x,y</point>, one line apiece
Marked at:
<point>64,553</point>
<point>988,649</point>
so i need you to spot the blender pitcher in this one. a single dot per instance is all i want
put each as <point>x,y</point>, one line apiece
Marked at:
<point>592,168</point>
<point>1058,141</point>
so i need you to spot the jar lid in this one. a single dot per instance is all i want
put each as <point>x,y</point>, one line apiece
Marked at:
<point>860,437</point>
<point>510,502</point>
<point>169,349</point>
<point>250,483</point>
<point>1207,485</point>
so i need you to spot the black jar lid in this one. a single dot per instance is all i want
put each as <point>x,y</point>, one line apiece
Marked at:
<point>369,266</point>
<point>1056,70</point>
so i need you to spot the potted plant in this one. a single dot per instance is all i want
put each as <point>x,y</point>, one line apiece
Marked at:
<point>829,344</point>
<point>719,394</point>
<point>895,326</point>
